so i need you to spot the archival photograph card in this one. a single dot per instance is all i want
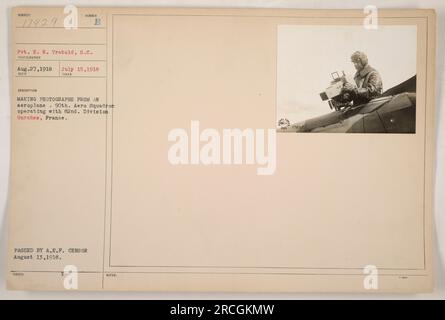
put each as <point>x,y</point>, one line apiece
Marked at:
<point>223,150</point>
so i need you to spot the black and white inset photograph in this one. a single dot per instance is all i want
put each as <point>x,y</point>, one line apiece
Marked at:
<point>346,79</point>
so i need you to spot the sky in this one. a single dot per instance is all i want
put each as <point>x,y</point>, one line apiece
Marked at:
<point>307,55</point>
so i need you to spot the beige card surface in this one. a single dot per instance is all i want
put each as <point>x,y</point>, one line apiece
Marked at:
<point>255,150</point>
